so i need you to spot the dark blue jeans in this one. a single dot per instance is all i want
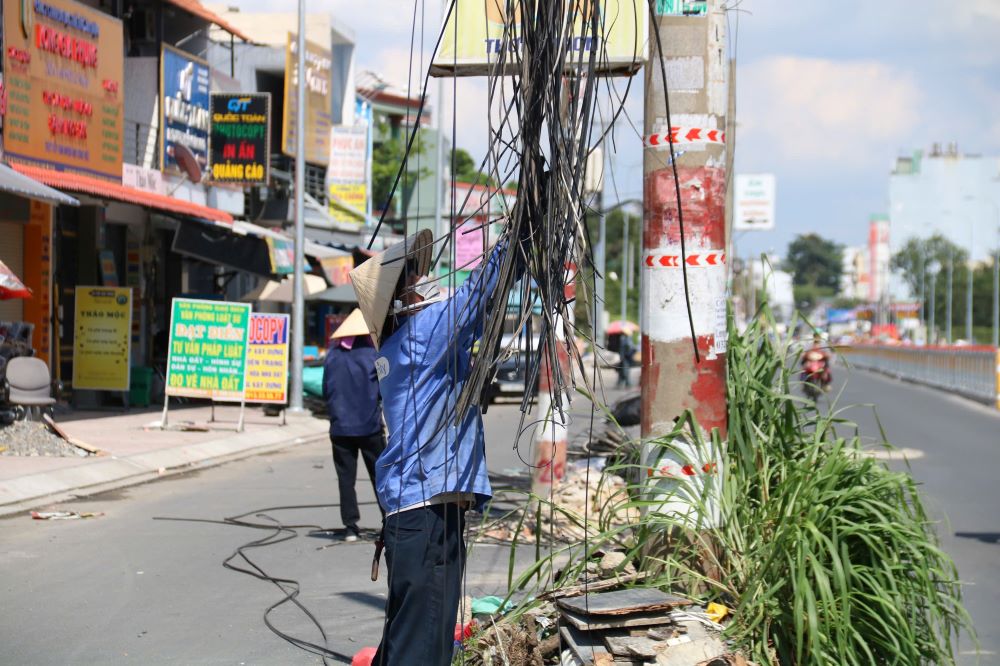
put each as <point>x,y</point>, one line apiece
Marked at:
<point>425,554</point>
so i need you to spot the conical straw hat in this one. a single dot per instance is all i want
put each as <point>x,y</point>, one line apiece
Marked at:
<point>375,280</point>
<point>353,325</point>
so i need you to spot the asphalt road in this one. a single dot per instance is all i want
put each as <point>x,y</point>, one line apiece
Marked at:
<point>127,588</point>
<point>955,456</point>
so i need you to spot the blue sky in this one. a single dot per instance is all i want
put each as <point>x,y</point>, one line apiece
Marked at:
<point>828,95</point>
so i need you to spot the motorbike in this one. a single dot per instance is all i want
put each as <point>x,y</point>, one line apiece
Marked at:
<point>815,374</point>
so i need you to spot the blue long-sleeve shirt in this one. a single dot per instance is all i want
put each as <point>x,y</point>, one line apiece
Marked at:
<point>350,389</point>
<point>422,368</point>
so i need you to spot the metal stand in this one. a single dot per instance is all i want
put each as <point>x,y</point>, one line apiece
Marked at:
<point>163,419</point>
<point>239,425</point>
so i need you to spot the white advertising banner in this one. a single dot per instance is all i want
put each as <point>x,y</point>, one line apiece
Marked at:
<point>754,202</point>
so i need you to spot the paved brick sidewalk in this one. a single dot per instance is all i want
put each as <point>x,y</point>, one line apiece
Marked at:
<point>135,450</point>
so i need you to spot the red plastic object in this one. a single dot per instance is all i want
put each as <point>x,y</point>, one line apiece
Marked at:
<point>466,631</point>
<point>364,657</point>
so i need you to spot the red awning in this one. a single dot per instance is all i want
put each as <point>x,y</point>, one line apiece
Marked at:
<point>197,9</point>
<point>75,182</point>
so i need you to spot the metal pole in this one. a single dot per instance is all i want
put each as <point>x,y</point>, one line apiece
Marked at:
<point>923,277</point>
<point>298,299</point>
<point>996,277</point>
<point>621,278</point>
<point>968,287</point>
<point>996,297</point>
<point>601,260</point>
<point>951,270</point>
<point>366,108</point>
<point>932,333</point>
<point>673,379</point>
<point>439,185</point>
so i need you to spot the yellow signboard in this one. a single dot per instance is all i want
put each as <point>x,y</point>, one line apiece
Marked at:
<point>348,202</point>
<point>319,102</point>
<point>482,37</point>
<point>63,72</point>
<point>102,338</point>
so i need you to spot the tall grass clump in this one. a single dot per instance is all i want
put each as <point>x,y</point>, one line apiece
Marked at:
<point>825,554</point>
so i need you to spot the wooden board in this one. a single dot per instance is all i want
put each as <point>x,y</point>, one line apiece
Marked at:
<point>590,649</point>
<point>592,623</point>
<point>623,602</point>
<point>72,440</point>
<point>577,590</point>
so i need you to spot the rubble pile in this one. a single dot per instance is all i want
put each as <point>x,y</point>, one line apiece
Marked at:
<point>638,626</point>
<point>592,625</point>
<point>582,497</point>
<point>34,438</point>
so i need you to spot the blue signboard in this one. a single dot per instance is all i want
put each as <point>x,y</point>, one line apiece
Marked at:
<point>184,107</point>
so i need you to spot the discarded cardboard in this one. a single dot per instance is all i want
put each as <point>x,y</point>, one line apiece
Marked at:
<point>598,622</point>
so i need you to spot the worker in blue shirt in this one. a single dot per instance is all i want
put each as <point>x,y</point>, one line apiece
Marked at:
<point>434,466</point>
<point>350,389</point>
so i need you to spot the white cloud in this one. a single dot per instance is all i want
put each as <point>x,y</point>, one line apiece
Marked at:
<point>810,109</point>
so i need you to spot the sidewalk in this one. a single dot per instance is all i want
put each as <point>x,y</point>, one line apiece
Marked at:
<point>135,452</point>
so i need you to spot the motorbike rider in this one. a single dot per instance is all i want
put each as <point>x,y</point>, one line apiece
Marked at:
<point>816,363</point>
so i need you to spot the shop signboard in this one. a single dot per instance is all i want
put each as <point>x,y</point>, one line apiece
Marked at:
<point>281,252</point>
<point>141,178</point>
<point>102,338</point>
<point>240,144</point>
<point>681,7</point>
<point>267,358</point>
<point>319,102</point>
<point>184,115</point>
<point>63,73</point>
<point>337,269</point>
<point>477,34</point>
<point>347,173</point>
<point>38,275</point>
<point>208,349</point>
<point>469,244</point>
<point>754,199</point>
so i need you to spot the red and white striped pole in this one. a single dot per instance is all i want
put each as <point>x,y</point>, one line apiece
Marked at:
<point>672,379</point>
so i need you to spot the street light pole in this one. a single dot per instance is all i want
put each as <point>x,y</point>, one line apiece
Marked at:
<point>621,278</point>
<point>996,270</point>
<point>951,271</point>
<point>923,277</point>
<point>932,332</point>
<point>298,297</point>
<point>968,287</point>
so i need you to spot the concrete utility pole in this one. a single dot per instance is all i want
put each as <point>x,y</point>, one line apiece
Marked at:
<point>693,55</point>
<point>298,298</point>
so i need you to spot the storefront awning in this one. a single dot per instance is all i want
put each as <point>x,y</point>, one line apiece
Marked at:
<point>75,182</point>
<point>16,183</point>
<point>201,11</point>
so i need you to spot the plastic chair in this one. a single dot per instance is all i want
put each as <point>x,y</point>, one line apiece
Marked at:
<point>29,384</point>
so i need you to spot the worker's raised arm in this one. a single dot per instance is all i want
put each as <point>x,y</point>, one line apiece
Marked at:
<point>473,297</point>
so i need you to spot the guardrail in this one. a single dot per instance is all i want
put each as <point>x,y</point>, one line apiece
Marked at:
<point>973,372</point>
